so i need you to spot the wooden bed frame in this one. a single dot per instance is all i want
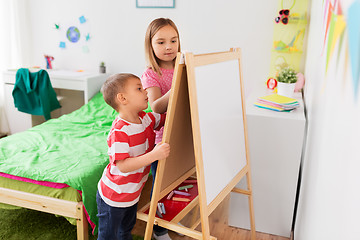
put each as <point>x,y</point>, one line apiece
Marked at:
<point>57,206</point>
<point>49,205</point>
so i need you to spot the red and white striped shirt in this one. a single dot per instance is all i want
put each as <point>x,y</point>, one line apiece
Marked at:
<point>126,140</point>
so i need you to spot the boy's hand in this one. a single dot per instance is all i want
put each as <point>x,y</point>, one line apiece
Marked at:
<point>161,150</point>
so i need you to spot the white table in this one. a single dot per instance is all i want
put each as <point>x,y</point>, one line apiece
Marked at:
<point>87,82</point>
<point>82,85</point>
<point>275,146</point>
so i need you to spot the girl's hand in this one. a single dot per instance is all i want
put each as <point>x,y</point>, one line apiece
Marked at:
<point>161,151</point>
<point>158,102</point>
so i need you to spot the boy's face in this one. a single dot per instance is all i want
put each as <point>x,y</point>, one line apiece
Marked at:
<point>136,95</point>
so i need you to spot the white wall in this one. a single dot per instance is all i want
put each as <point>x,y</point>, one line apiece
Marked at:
<point>118,28</point>
<point>329,206</point>
<point>15,44</point>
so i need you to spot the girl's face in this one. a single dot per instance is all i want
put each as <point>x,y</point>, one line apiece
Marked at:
<point>166,45</point>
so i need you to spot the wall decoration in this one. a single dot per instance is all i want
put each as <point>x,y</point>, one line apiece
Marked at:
<point>289,31</point>
<point>74,34</point>
<point>62,45</point>
<point>354,43</point>
<point>82,19</point>
<point>337,26</point>
<point>292,46</point>
<point>85,49</point>
<point>155,3</point>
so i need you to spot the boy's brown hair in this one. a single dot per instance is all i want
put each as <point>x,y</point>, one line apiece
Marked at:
<point>113,85</point>
<point>152,29</point>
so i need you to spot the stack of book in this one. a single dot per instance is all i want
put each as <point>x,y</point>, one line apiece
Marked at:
<point>277,103</point>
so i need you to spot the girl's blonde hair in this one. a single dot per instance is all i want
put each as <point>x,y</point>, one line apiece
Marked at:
<point>152,29</point>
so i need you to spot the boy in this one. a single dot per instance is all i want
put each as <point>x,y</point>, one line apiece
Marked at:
<point>130,140</point>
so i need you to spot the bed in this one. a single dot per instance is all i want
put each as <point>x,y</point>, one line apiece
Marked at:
<point>54,167</point>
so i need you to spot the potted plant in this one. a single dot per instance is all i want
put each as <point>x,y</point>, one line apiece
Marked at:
<point>102,67</point>
<point>286,82</point>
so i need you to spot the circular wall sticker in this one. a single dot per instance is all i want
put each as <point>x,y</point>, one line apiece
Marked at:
<point>73,34</point>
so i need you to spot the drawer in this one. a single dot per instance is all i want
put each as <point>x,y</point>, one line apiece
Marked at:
<point>9,77</point>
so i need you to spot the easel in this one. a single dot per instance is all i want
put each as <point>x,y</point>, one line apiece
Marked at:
<point>182,132</point>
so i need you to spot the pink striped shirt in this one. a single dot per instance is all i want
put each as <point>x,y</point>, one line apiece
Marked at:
<point>127,140</point>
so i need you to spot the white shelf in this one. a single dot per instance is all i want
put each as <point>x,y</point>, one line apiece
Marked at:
<point>275,146</point>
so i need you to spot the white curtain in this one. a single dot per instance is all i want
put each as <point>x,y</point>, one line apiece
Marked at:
<point>15,44</point>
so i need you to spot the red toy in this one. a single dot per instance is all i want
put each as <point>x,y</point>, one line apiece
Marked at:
<point>283,16</point>
<point>48,61</point>
<point>271,83</point>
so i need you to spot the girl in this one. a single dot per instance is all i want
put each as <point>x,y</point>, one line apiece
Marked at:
<point>162,43</point>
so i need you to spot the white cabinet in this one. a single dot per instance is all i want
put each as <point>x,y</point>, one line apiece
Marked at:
<point>18,121</point>
<point>73,88</point>
<point>275,146</point>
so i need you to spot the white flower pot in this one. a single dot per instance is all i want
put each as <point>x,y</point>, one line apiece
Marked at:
<point>286,89</point>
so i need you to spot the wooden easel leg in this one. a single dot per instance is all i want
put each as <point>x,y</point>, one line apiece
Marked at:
<point>204,215</point>
<point>81,223</point>
<point>154,200</point>
<point>251,207</point>
<point>205,228</point>
<point>150,221</point>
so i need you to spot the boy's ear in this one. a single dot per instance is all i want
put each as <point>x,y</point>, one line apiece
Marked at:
<point>121,98</point>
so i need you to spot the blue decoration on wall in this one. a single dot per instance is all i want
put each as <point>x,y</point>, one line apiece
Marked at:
<point>62,45</point>
<point>82,19</point>
<point>73,34</point>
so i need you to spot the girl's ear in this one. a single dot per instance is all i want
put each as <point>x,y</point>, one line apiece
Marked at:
<point>121,98</point>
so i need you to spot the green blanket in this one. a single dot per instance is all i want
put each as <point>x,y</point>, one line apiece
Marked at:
<point>71,149</point>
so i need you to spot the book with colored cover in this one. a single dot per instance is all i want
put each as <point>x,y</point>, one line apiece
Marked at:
<point>277,103</point>
<point>275,98</point>
<point>260,105</point>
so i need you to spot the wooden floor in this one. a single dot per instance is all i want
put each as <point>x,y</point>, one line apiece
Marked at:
<point>218,223</point>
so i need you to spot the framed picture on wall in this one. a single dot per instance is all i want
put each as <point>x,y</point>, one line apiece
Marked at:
<point>155,3</point>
